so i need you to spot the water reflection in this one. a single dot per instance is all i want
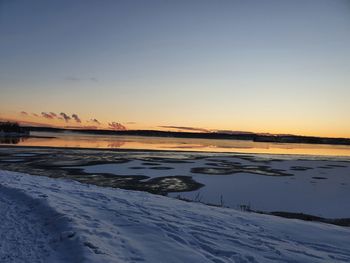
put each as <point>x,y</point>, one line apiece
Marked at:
<point>12,140</point>
<point>76,140</point>
<point>117,144</point>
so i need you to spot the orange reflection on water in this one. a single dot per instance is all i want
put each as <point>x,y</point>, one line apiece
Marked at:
<point>181,144</point>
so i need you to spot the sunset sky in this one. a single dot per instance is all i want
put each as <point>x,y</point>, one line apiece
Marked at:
<point>260,66</point>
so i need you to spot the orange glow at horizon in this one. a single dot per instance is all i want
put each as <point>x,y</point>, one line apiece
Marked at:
<point>36,119</point>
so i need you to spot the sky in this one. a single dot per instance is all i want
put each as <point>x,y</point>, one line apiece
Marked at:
<point>261,66</point>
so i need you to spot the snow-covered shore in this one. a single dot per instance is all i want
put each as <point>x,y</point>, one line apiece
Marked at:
<point>55,220</point>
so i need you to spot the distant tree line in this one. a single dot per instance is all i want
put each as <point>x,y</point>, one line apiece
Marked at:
<point>255,137</point>
<point>11,127</point>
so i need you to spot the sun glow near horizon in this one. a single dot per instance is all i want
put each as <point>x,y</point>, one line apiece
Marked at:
<point>105,123</point>
<point>273,67</point>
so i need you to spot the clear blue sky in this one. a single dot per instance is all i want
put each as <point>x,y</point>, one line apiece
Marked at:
<point>265,66</point>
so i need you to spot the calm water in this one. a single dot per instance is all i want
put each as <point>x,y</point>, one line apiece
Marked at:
<point>68,139</point>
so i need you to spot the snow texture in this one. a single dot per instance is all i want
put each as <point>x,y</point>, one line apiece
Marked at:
<point>55,220</point>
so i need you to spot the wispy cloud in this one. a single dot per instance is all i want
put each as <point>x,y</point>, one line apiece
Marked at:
<point>76,118</point>
<point>35,115</point>
<point>195,129</point>
<point>47,115</point>
<point>116,126</point>
<point>95,121</point>
<point>65,116</point>
<point>24,113</point>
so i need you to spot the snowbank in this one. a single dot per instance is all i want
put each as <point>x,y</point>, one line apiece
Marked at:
<point>54,220</point>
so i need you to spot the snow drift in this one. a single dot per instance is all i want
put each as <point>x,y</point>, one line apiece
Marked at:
<point>55,220</point>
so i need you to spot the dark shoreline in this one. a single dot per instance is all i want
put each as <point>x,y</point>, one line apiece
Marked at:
<point>255,137</point>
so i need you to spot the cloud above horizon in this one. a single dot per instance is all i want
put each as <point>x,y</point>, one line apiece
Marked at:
<point>47,115</point>
<point>92,123</point>
<point>95,121</point>
<point>116,126</point>
<point>76,118</point>
<point>62,116</point>
<point>195,129</point>
<point>65,117</point>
